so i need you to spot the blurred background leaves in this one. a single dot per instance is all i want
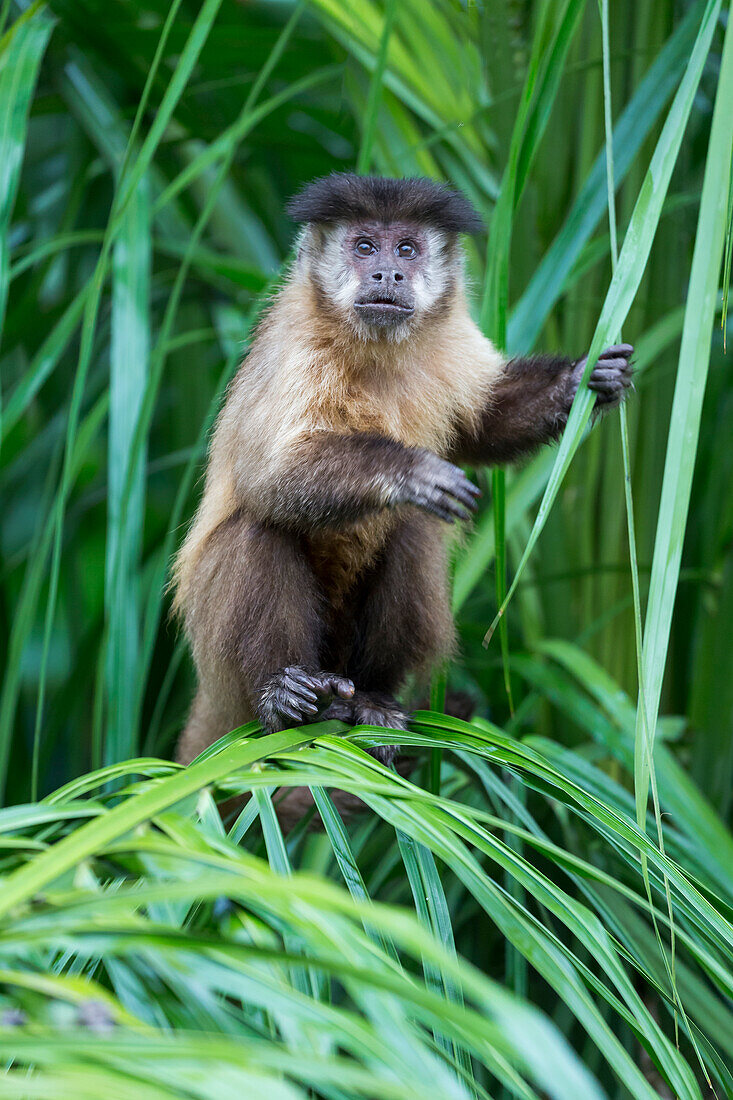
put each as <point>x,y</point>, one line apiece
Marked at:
<point>146,153</point>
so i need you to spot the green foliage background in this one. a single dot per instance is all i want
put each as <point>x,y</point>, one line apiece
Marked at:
<point>514,921</point>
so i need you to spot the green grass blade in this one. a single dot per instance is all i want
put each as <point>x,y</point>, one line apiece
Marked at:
<point>123,194</point>
<point>551,42</point>
<point>669,964</point>
<point>130,352</point>
<point>432,910</point>
<point>21,53</point>
<point>344,855</point>
<point>371,114</point>
<point>632,128</point>
<point>624,284</point>
<point>685,420</point>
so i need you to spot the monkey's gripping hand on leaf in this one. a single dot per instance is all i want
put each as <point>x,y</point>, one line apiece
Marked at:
<point>530,403</point>
<point>291,695</point>
<point>610,378</point>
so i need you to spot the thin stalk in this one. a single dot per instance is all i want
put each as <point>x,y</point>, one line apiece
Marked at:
<point>364,160</point>
<point>669,964</point>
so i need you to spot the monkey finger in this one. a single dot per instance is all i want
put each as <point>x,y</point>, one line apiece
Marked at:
<point>340,685</point>
<point>300,702</point>
<point>290,695</point>
<point>447,497</point>
<point>300,689</point>
<point>295,672</point>
<point>290,712</point>
<point>327,683</point>
<point>611,366</point>
<point>461,505</point>
<point>440,471</point>
<point>447,507</point>
<point>438,510</point>
<point>295,699</point>
<point>302,679</point>
<point>463,493</point>
<point>610,395</point>
<point>343,687</point>
<point>465,482</point>
<point>625,350</point>
<point>606,379</point>
<point>436,500</point>
<point>603,384</point>
<point>609,385</point>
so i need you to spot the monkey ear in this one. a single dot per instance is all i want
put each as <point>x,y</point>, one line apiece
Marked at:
<point>311,240</point>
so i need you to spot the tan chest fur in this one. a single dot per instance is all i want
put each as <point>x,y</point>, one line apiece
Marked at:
<point>415,393</point>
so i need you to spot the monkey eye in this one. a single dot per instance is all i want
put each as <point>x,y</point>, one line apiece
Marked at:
<point>365,247</point>
<point>407,250</point>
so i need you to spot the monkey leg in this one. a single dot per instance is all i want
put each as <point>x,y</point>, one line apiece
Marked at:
<point>206,724</point>
<point>405,626</point>
<point>255,621</point>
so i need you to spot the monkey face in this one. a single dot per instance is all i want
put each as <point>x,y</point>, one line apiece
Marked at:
<point>387,261</point>
<point>383,279</point>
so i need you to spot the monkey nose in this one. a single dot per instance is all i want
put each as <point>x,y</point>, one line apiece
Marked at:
<point>396,276</point>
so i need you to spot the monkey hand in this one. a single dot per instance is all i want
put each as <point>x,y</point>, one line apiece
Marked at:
<point>290,696</point>
<point>611,376</point>
<point>438,487</point>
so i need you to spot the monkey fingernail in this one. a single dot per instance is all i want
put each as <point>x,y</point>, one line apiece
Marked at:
<point>289,712</point>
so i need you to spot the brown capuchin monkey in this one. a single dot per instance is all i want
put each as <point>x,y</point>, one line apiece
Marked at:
<point>313,579</point>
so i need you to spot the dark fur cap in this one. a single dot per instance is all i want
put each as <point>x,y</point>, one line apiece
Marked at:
<point>343,196</point>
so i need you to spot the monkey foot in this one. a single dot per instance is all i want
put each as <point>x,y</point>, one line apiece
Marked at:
<point>368,708</point>
<point>290,697</point>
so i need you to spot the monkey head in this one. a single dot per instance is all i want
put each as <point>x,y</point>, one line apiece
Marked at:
<point>382,254</point>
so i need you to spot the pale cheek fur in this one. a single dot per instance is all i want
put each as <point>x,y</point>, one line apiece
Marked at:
<point>337,278</point>
<point>431,281</point>
<point>426,292</point>
<point>344,289</point>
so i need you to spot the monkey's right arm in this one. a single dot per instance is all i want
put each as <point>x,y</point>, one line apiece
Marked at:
<point>530,402</point>
<point>326,479</point>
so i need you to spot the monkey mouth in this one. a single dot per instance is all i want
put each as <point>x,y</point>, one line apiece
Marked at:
<point>383,309</point>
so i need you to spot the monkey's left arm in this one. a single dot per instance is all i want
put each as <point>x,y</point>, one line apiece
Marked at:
<point>530,402</point>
